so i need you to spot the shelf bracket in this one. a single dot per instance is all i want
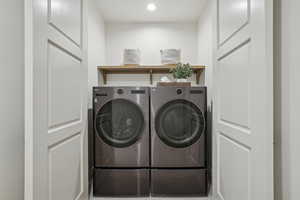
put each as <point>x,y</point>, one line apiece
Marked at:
<point>198,75</point>
<point>151,76</point>
<point>104,76</point>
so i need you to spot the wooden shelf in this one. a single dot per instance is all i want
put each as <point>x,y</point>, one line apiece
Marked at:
<point>143,69</point>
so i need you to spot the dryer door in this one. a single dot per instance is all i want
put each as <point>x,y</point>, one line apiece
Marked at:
<point>119,123</point>
<point>179,123</point>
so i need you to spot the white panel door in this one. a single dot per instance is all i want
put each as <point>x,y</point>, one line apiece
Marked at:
<point>243,101</point>
<point>59,95</point>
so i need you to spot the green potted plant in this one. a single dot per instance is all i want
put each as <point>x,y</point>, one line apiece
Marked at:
<point>182,72</point>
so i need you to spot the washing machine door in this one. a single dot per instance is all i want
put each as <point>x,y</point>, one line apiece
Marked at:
<point>179,123</point>
<point>119,123</point>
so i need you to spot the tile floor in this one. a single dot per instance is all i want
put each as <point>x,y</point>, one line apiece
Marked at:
<point>152,198</point>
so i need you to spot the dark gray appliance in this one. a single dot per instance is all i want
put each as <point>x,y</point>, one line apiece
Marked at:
<point>121,121</point>
<point>178,144</point>
<point>91,156</point>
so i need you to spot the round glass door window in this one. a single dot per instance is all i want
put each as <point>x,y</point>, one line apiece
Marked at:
<point>179,123</point>
<point>119,123</point>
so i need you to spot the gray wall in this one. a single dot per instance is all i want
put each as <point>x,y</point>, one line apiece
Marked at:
<point>11,100</point>
<point>287,99</point>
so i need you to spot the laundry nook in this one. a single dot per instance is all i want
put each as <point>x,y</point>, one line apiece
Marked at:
<point>149,100</point>
<point>151,119</point>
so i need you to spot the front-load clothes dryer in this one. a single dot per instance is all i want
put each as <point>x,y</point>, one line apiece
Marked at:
<point>178,141</point>
<point>178,127</point>
<point>121,120</point>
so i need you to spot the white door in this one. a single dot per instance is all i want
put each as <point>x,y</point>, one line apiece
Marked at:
<point>243,102</point>
<point>59,101</point>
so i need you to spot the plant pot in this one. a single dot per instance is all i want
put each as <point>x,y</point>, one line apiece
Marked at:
<point>181,80</point>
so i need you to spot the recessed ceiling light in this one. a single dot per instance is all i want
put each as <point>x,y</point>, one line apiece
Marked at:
<point>151,7</point>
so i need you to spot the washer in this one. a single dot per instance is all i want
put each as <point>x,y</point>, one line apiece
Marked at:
<point>121,121</point>
<point>178,136</point>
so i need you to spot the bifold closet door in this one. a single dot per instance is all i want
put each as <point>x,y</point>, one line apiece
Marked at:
<point>243,102</point>
<point>59,91</point>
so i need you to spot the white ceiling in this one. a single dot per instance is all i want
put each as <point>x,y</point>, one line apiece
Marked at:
<point>135,10</point>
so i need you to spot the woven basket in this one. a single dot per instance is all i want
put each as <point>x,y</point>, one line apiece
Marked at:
<point>132,57</point>
<point>170,56</point>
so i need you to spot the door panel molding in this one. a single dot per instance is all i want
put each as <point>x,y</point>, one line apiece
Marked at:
<point>56,39</point>
<point>234,89</point>
<point>65,169</point>
<point>55,17</point>
<point>236,5</point>
<point>236,134</point>
<point>234,125</point>
<point>241,39</point>
<point>64,98</point>
<point>239,157</point>
<point>62,133</point>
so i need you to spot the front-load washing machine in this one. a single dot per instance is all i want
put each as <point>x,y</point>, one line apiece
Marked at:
<point>178,141</point>
<point>121,118</point>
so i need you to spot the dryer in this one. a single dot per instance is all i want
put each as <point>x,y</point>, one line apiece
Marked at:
<point>121,118</point>
<point>178,141</point>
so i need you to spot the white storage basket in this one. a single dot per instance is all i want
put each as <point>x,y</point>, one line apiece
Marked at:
<point>170,56</point>
<point>132,57</point>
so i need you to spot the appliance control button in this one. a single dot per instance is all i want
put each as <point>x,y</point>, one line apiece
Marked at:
<point>120,91</point>
<point>179,91</point>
